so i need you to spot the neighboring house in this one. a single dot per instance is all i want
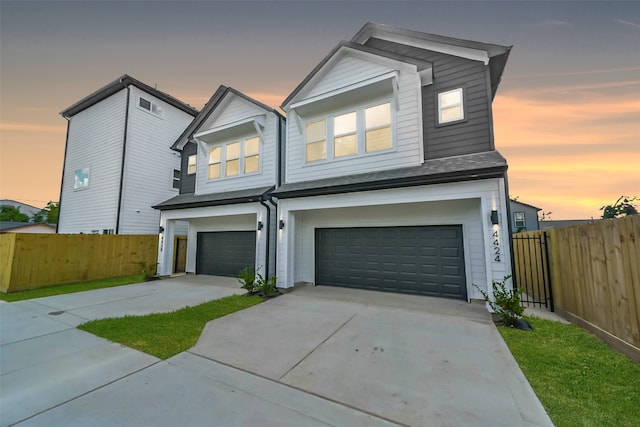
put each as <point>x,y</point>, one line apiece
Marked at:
<point>547,224</point>
<point>26,227</point>
<point>524,217</point>
<point>117,163</point>
<point>24,208</point>
<point>392,181</point>
<point>230,164</point>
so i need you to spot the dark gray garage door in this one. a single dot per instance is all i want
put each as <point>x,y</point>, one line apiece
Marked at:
<point>416,260</point>
<point>225,253</point>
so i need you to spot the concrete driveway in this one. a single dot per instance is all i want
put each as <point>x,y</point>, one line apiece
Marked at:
<point>316,356</point>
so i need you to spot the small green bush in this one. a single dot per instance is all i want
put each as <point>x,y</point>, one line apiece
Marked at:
<point>148,269</point>
<point>247,279</point>
<point>506,302</point>
<point>266,288</point>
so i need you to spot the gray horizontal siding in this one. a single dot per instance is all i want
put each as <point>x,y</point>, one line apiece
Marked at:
<point>187,182</point>
<point>474,134</point>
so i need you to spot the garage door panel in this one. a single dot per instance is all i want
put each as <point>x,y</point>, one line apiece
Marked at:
<point>424,260</point>
<point>225,253</point>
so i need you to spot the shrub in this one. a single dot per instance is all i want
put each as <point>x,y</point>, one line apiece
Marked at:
<point>506,302</point>
<point>149,270</point>
<point>247,279</point>
<point>266,288</point>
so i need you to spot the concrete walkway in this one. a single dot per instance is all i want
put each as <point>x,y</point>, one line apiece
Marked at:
<point>314,357</point>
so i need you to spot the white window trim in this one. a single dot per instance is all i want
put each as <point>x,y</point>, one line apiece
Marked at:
<point>84,187</point>
<point>360,132</point>
<point>153,106</point>
<point>241,158</point>
<point>195,164</point>
<point>515,219</point>
<point>440,106</point>
<point>174,179</point>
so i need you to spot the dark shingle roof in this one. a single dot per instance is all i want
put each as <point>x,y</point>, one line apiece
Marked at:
<point>116,86</point>
<point>184,201</point>
<point>487,164</point>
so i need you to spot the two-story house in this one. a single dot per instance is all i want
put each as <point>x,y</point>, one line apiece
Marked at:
<point>230,164</point>
<point>117,163</point>
<point>391,179</point>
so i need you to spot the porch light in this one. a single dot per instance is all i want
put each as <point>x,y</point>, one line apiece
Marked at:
<point>494,217</point>
<point>260,225</point>
<point>281,225</point>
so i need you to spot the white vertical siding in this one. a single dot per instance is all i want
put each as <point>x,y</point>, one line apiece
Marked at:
<point>95,141</point>
<point>467,204</point>
<point>149,163</point>
<point>407,124</point>
<point>235,109</point>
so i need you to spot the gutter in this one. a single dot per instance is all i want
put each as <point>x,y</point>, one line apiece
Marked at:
<point>124,153</point>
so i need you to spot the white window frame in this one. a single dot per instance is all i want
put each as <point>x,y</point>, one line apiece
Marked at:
<point>175,179</point>
<point>361,131</point>
<point>442,106</point>
<point>154,107</point>
<point>192,166</point>
<point>88,177</point>
<point>516,220</point>
<point>241,158</point>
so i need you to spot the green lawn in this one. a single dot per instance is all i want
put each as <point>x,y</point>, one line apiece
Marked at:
<point>71,288</point>
<point>579,380</point>
<point>166,334</point>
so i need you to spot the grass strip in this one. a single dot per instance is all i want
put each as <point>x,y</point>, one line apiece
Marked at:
<point>166,334</point>
<point>71,288</point>
<point>579,380</point>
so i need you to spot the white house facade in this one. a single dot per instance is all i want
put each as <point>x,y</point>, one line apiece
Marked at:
<point>230,164</point>
<point>392,181</point>
<point>117,163</point>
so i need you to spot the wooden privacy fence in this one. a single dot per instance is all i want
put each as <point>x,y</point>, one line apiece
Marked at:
<point>595,276</point>
<point>30,261</point>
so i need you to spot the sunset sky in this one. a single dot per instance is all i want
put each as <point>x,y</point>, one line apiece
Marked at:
<point>566,116</point>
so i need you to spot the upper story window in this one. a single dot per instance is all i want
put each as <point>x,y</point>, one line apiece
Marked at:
<point>81,178</point>
<point>176,179</point>
<point>519,220</point>
<point>450,106</point>
<point>191,165</point>
<point>364,130</point>
<point>149,106</point>
<point>240,157</point>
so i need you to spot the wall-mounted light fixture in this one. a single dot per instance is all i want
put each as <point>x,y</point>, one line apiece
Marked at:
<point>494,217</point>
<point>260,225</point>
<point>161,230</point>
<point>281,224</point>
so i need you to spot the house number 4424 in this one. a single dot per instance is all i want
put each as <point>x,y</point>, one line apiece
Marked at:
<point>496,248</point>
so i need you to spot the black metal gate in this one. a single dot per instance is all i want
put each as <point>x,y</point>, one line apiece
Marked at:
<point>532,270</point>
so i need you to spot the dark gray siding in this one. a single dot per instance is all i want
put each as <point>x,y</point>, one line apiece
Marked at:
<point>187,182</point>
<point>473,135</point>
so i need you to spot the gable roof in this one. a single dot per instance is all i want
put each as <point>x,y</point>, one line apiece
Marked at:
<point>117,85</point>
<point>492,54</point>
<point>421,65</point>
<point>524,204</point>
<point>209,107</point>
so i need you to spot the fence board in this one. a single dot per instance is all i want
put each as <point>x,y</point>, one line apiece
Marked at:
<point>596,279</point>
<point>37,260</point>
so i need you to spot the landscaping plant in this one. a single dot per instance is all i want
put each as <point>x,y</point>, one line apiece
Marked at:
<point>266,288</point>
<point>149,270</point>
<point>247,279</point>
<point>505,302</point>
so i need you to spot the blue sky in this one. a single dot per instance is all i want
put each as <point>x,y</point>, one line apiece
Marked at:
<point>567,114</point>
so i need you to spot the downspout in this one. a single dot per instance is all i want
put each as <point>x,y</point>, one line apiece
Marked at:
<point>510,231</point>
<point>275,205</point>
<point>268,233</point>
<point>124,152</point>
<point>64,166</point>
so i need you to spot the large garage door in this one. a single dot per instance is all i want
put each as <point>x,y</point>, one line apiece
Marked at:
<point>225,253</point>
<point>418,260</point>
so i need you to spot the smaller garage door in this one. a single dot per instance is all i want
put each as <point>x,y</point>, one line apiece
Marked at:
<point>425,260</point>
<point>225,253</point>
